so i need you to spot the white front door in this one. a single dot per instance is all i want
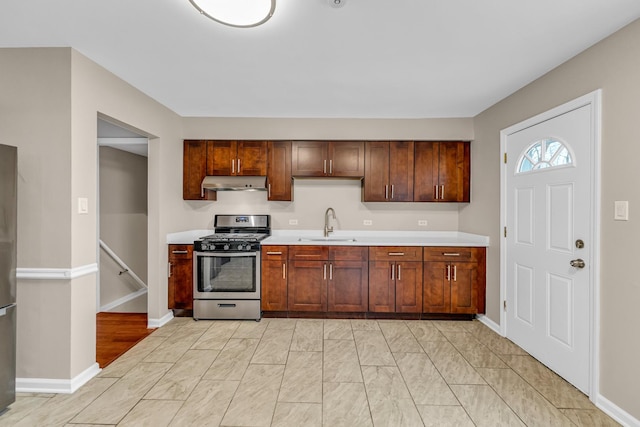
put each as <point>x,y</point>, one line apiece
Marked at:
<point>549,243</point>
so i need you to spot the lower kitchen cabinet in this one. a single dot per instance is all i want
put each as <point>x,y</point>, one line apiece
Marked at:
<point>274,278</point>
<point>180,283</point>
<point>454,280</point>
<point>395,279</point>
<point>327,278</point>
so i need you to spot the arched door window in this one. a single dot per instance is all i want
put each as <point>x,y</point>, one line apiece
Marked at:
<point>543,154</point>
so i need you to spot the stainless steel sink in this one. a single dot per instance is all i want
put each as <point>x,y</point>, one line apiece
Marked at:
<point>326,239</point>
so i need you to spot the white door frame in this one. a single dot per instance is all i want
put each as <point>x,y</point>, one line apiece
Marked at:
<point>594,99</point>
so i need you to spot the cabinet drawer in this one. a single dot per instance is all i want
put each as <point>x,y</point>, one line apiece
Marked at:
<point>275,253</point>
<point>395,253</point>
<point>348,253</point>
<point>308,252</point>
<point>453,254</point>
<point>180,251</point>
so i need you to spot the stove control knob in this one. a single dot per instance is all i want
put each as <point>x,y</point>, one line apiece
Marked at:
<point>240,247</point>
<point>204,246</point>
<point>225,247</point>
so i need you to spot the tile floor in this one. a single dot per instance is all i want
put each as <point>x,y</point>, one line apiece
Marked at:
<point>294,372</point>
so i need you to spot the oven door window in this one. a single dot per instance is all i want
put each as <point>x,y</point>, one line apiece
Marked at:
<point>227,273</point>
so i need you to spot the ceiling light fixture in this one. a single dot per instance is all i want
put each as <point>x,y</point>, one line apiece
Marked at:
<point>337,3</point>
<point>237,13</point>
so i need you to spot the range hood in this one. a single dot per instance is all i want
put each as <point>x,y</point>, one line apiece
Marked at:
<point>234,183</point>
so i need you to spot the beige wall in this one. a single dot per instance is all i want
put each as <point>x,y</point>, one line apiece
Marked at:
<point>614,66</point>
<point>123,225</point>
<point>51,99</point>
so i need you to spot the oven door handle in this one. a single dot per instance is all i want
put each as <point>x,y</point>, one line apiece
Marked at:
<point>227,254</point>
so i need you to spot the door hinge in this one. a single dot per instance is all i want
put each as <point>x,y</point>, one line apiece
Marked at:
<point>504,305</point>
<point>505,157</point>
<point>505,232</point>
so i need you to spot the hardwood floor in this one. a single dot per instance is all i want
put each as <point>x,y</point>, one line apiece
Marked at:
<point>117,333</point>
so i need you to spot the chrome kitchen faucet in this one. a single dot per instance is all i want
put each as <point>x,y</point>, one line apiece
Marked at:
<point>328,229</point>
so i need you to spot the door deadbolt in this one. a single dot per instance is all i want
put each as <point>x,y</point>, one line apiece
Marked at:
<point>579,244</point>
<point>577,263</point>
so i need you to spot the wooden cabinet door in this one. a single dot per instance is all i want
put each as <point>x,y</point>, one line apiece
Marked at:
<point>401,155</point>
<point>442,171</point>
<point>251,158</point>
<point>348,286</point>
<point>221,158</point>
<point>454,171</point>
<point>307,286</point>
<point>194,169</point>
<point>437,289</point>
<point>408,278</point>
<point>346,159</point>
<point>274,285</point>
<point>279,171</point>
<point>309,158</point>
<point>376,171</point>
<point>180,283</point>
<point>427,157</point>
<point>464,295</point>
<point>382,289</point>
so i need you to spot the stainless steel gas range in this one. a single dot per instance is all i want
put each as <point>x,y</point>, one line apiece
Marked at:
<point>226,268</point>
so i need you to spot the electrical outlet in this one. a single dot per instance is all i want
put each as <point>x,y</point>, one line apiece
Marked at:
<point>293,222</point>
<point>621,212</point>
<point>367,222</point>
<point>422,222</point>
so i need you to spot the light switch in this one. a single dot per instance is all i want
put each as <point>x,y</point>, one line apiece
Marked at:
<point>293,222</point>
<point>83,205</point>
<point>621,210</point>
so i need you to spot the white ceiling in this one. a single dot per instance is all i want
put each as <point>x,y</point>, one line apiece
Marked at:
<point>368,59</point>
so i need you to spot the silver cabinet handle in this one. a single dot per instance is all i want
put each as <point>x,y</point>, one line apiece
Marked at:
<point>269,190</point>
<point>393,271</point>
<point>451,254</point>
<point>180,252</point>
<point>324,275</point>
<point>455,271</point>
<point>386,192</point>
<point>435,187</point>
<point>396,253</point>
<point>324,167</point>
<point>330,271</point>
<point>392,191</point>
<point>238,165</point>
<point>284,271</point>
<point>577,263</point>
<point>168,269</point>
<point>448,272</point>
<point>399,272</point>
<point>233,166</point>
<point>442,192</point>
<point>274,253</point>
<point>330,167</point>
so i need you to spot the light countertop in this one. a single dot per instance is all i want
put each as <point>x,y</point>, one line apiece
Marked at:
<point>352,238</point>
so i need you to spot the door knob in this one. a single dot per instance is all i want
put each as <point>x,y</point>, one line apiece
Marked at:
<point>577,263</point>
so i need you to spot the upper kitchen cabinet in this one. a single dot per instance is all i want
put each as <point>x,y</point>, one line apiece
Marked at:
<point>388,171</point>
<point>279,171</point>
<point>242,158</point>
<point>442,171</point>
<point>194,169</point>
<point>343,159</point>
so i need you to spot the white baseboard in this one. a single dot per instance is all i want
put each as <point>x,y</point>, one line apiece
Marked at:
<point>156,323</point>
<point>489,323</point>
<point>124,299</point>
<point>45,385</point>
<point>615,412</point>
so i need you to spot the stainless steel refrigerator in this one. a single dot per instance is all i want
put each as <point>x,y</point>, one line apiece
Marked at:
<point>8,232</point>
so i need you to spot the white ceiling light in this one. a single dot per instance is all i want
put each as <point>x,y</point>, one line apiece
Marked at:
<point>237,13</point>
<point>337,3</point>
